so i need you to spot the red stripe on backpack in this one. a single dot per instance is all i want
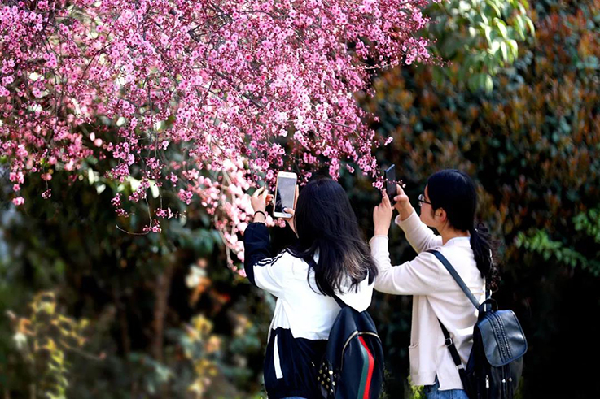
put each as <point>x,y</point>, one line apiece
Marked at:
<point>371,366</point>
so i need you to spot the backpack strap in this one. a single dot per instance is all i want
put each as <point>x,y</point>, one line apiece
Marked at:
<point>462,372</point>
<point>455,275</point>
<point>339,301</point>
<point>448,339</point>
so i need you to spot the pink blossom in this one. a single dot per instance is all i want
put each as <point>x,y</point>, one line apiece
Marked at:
<point>185,196</point>
<point>192,97</point>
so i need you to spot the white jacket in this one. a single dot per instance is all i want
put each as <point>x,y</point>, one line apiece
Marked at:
<point>436,295</point>
<point>300,305</point>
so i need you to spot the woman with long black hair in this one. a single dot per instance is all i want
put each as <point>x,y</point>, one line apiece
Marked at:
<point>329,259</point>
<point>448,204</point>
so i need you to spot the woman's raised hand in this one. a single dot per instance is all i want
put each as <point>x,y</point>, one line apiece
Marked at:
<point>382,216</point>
<point>259,201</point>
<point>291,221</point>
<point>402,203</point>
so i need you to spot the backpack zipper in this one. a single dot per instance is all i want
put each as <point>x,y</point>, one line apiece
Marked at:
<point>503,384</point>
<point>506,386</point>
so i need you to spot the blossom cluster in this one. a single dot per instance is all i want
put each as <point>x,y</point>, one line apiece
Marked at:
<point>259,84</point>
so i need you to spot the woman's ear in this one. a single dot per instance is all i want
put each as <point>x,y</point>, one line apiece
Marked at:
<point>440,213</point>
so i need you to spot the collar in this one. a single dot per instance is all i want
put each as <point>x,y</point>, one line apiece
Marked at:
<point>457,240</point>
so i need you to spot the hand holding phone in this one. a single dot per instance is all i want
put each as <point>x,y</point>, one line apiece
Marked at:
<point>285,194</point>
<point>260,199</point>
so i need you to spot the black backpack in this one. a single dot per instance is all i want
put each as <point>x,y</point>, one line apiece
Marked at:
<point>352,365</point>
<point>495,364</point>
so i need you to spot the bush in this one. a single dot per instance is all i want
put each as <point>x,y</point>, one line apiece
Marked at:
<point>533,146</point>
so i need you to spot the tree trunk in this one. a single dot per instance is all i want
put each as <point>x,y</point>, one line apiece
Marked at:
<point>162,290</point>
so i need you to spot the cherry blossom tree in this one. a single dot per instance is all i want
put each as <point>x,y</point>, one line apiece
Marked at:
<point>207,96</point>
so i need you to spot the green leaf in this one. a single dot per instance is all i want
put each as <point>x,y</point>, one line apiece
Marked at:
<point>493,5</point>
<point>501,25</point>
<point>504,52</point>
<point>531,26</point>
<point>488,83</point>
<point>495,46</point>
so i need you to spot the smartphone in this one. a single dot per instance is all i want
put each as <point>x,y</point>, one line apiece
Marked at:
<point>285,194</point>
<point>390,182</point>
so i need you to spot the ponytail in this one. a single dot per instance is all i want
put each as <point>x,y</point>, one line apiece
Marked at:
<point>484,256</point>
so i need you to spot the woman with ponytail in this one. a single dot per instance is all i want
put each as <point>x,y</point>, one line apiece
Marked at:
<point>329,259</point>
<point>448,205</point>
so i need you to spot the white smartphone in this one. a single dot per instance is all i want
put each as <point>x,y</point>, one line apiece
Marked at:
<point>285,194</point>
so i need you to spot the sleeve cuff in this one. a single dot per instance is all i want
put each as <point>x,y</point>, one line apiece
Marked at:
<point>375,239</point>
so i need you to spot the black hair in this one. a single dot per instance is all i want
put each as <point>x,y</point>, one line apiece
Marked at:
<point>327,224</point>
<point>455,192</point>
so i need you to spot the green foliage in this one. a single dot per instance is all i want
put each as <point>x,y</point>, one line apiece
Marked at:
<point>587,223</point>
<point>143,337</point>
<point>477,38</point>
<point>540,242</point>
<point>536,158</point>
<point>417,392</point>
<point>533,146</point>
<point>45,338</point>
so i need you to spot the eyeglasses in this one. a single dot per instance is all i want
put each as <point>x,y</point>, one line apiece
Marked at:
<point>421,199</point>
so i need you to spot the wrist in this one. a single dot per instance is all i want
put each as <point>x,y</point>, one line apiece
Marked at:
<point>259,216</point>
<point>405,213</point>
<point>380,231</point>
